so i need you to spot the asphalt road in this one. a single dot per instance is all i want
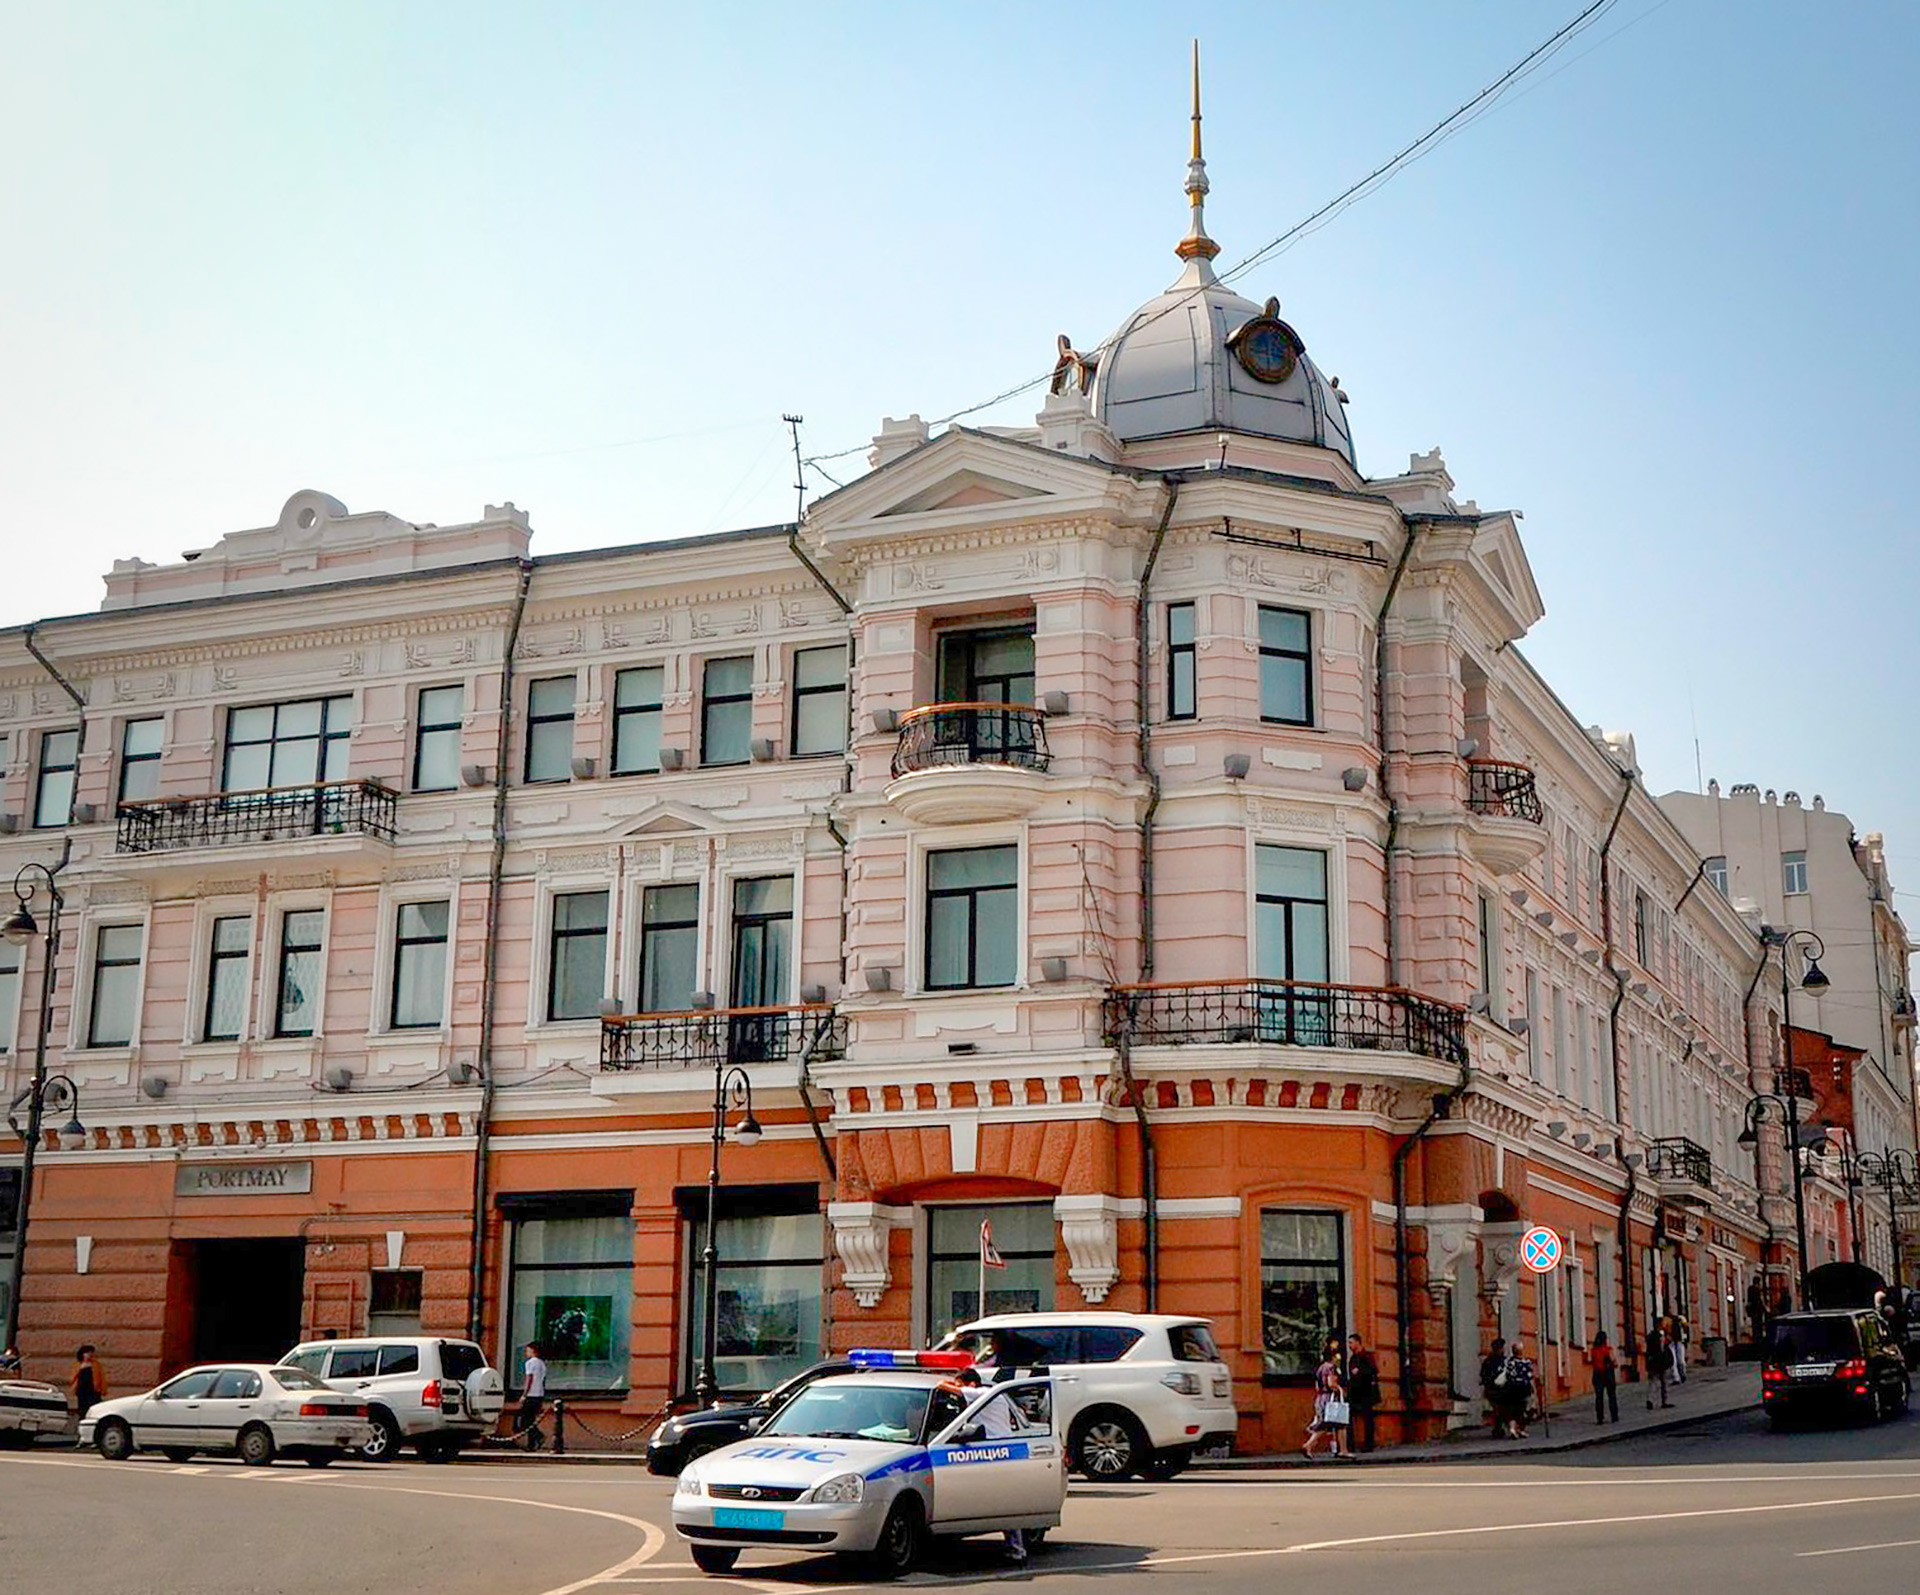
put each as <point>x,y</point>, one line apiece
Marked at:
<point>1723,1507</point>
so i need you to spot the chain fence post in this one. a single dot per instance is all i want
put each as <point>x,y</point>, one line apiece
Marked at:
<point>559,1427</point>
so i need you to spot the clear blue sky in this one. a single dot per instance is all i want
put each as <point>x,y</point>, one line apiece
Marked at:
<point>425,257</point>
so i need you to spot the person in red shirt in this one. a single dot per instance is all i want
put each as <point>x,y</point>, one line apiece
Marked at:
<point>1606,1379</point>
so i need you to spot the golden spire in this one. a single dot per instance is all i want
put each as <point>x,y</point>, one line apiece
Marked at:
<point>1197,245</point>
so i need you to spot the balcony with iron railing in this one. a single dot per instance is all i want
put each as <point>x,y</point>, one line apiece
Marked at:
<point>1505,828</point>
<point>956,762</point>
<point>1683,1168</point>
<point>699,1038</point>
<point>1286,1013</point>
<point>359,810</point>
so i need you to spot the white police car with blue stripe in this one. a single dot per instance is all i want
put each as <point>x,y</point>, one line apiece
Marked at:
<point>874,1462</point>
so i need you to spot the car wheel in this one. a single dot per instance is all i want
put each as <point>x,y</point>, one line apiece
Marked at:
<point>715,1558</point>
<point>256,1446</point>
<point>176,1453</point>
<point>385,1444</point>
<point>1107,1445</point>
<point>898,1547</point>
<point>318,1459</point>
<point>113,1440</point>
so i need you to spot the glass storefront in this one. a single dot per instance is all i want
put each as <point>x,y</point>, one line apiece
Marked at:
<point>1023,1235</point>
<point>768,1292</point>
<point>570,1288</point>
<point>1302,1291</point>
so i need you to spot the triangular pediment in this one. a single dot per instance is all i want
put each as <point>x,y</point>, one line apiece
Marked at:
<point>1502,560</point>
<point>665,820</point>
<point>962,489</point>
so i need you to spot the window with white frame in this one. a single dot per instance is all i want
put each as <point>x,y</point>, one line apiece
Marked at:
<point>726,711</point>
<point>577,955</point>
<point>230,942</point>
<point>1562,1041</point>
<point>550,729</point>
<point>1182,700</point>
<point>973,929</point>
<point>419,1000</point>
<point>113,1012</point>
<point>1292,937</point>
<point>140,759</point>
<point>1577,1074</point>
<point>819,701</point>
<point>297,982</point>
<point>638,698</point>
<point>1286,666</point>
<point>1536,1049</point>
<point>302,743</point>
<point>1793,873</point>
<point>9,992</point>
<point>53,784</point>
<point>669,948</point>
<point>436,746</point>
<point>1576,1274</point>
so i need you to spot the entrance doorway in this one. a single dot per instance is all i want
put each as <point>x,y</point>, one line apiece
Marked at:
<point>243,1297</point>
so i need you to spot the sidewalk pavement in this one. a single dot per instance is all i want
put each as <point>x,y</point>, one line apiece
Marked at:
<point>1708,1393</point>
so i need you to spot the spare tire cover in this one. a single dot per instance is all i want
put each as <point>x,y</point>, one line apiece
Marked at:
<point>485,1396</point>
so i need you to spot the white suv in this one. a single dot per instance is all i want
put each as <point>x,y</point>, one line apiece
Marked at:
<point>435,1395</point>
<point>1138,1393</point>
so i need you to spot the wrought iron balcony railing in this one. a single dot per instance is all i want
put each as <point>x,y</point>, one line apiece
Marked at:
<point>943,735</point>
<point>1674,1157</point>
<point>279,814</point>
<point>702,1037</point>
<point>1505,791</point>
<point>1288,1013</point>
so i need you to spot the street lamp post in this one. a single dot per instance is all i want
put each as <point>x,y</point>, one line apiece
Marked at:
<point>731,1085</point>
<point>1756,1111</point>
<point>41,1092</point>
<point>1887,1170</point>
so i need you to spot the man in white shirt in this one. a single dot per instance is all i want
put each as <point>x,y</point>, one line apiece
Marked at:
<point>997,1420</point>
<point>533,1396</point>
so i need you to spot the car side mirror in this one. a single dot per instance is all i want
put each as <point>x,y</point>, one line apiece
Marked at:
<point>970,1433</point>
<point>752,1425</point>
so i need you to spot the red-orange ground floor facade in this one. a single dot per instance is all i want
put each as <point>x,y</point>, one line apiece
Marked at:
<point>1280,1230</point>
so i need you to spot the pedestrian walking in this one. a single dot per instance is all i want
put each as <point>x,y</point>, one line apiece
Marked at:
<point>1490,1366</point>
<point>533,1396</point>
<point>1513,1387</point>
<point>1658,1364</point>
<point>1606,1378</point>
<point>86,1381</point>
<point>1363,1392</point>
<point>1677,1343</point>
<point>1330,1412</point>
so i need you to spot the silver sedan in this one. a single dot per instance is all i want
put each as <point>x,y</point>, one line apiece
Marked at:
<point>254,1409</point>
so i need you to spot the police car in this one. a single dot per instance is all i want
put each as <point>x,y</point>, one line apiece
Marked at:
<point>873,1462</point>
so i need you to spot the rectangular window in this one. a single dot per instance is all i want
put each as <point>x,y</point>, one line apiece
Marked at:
<point>393,1308</point>
<point>550,729</point>
<point>419,966</point>
<point>113,1018</point>
<point>140,759</point>
<point>53,788</point>
<point>819,701</point>
<point>726,711</point>
<point>1563,1064</point>
<point>1716,873</point>
<point>1023,1235</point>
<point>1793,873</point>
<point>1577,1083</point>
<point>669,948</point>
<point>1488,948</point>
<point>1303,1291</point>
<point>271,745</point>
<point>973,929</point>
<point>1291,939</point>
<point>297,991</point>
<point>570,1288</point>
<point>1286,666</point>
<point>9,992</point>
<point>1536,1049</point>
<point>637,696</point>
<point>767,1289</point>
<point>762,965</point>
<point>1181,701</point>
<point>987,666</point>
<point>1642,932</point>
<point>436,747</point>
<point>226,1011</point>
<point>577,955</point>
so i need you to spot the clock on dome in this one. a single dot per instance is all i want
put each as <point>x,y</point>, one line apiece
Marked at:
<point>1267,348</point>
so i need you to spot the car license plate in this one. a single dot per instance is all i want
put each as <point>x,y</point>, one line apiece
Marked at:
<point>745,1517</point>
<point>1814,1370</point>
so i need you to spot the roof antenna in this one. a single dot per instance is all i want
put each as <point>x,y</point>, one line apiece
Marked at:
<point>799,470</point>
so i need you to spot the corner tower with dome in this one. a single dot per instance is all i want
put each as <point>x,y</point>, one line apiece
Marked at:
<point>1135,832</point>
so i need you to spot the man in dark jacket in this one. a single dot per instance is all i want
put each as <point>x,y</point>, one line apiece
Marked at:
<point>1490,1366</point>
<point>1362,1382</point>
<point>1659,1362</point>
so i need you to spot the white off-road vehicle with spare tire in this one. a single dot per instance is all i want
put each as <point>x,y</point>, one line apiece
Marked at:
<point>433,1394</point>
<point>1139,1393</point>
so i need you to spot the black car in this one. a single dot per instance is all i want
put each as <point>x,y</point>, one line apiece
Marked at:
<point>693,1434</point>
<point>1842,1363</point>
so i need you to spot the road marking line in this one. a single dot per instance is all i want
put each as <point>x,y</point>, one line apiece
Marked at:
<point>189,1468</point>
<point>1848,1550</point>
<point>1332,1480</point>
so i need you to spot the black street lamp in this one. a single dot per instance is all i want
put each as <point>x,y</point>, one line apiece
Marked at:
<point>42,1092</point>
<point>1790,1111</point>
<point>1897,1168</point>
<point>731,1087</point>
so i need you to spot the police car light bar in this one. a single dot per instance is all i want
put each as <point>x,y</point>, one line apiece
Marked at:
<point>911,1359</point>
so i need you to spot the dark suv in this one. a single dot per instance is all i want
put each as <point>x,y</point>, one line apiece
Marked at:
<point>1834,1362</point>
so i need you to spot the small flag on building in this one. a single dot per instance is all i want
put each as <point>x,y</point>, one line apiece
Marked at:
<point>989,1258</point>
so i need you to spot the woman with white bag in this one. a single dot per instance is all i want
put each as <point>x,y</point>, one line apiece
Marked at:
<point>1331,1413</point>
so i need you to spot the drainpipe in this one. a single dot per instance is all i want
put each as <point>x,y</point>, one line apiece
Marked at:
<point>1123,1044</point>
<point>1386,789</point>
<point>1746,1030</point>
<point>1619,978</point>
<point>79,703</point>
<point>489,978</point>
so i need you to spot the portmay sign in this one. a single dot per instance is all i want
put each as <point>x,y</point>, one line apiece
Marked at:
<point>242,1179</point>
